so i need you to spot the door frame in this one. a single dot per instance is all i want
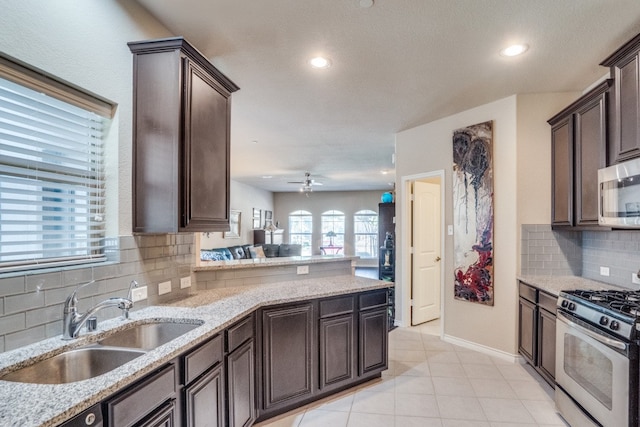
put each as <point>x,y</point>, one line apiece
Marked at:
<point>406,230</point>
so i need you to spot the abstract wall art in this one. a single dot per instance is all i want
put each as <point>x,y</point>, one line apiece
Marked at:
<point>473,213</point>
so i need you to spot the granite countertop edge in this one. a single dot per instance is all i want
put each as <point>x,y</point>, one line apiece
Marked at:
<point>554,284</point>
<point>270,262</point>
<point>215,309</point>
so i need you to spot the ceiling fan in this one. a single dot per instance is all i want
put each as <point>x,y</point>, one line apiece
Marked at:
<point>307,183</point>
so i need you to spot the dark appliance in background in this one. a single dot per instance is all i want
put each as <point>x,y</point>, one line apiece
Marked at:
<point>386,252</point>
<point>597,342</point>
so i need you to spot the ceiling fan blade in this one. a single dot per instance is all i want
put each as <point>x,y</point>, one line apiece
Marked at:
<point>295,182</point>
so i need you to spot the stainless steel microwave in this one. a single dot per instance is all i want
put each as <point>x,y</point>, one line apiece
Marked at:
<point>619,195</point>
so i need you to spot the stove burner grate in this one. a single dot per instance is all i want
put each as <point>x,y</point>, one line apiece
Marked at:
<point>623,302</point>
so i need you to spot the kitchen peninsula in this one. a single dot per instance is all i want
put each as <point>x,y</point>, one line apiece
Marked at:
<point>357,303</point>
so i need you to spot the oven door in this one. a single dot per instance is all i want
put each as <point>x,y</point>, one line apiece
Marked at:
<point>593,368</point>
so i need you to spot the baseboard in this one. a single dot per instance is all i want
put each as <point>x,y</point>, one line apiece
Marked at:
<point>513,358</point>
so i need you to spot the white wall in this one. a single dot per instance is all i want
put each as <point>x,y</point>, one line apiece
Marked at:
<point>244,198</point>
<point>85,43</point>
<point>521,139</point>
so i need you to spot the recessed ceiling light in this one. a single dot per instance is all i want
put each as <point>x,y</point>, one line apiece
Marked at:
<point>320,62</point>
<point>514,50</point>
<point>267,176</point>
<point>366,3</point>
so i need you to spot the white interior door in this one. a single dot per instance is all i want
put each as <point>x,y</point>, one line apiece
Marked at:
<point>426,268</point>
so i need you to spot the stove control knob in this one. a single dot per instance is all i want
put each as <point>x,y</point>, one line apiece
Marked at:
<point>604,320</point>
<point>614,326</point>
<point>564,303</point>
<point>572,306</point>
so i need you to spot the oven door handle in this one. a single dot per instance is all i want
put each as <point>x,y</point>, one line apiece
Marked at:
<point>602,339</point>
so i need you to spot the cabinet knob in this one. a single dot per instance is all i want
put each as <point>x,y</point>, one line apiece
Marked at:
<point>438,258</point>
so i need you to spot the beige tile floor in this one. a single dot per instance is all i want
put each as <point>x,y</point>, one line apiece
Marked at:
<point>433,383</point>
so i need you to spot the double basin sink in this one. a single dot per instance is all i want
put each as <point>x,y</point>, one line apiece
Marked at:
<point>110,352</point>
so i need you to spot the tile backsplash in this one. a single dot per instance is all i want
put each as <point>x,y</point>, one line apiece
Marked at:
<point>545,252</point>
<point>555,253</point>
<point>31,304</point>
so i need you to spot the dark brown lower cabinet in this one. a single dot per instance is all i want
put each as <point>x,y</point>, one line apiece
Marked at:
<point>288,357</point>
<point>297,353</point>
<point>241,385</point>
<point>527,328</point>
<point>337,351</point>
<point>204,400</point>
<point>373,340</point>
<point>547,344</point>
<point>537,330</point>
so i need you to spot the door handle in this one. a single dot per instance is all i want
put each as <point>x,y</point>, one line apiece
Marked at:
<point>438,259</point>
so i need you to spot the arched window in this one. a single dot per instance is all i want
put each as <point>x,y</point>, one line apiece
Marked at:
<point>365,230</point>
<point>300,230</point>
<point>333,221</point>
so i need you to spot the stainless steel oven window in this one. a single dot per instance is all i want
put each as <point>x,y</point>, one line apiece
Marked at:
<point>590,368</point>
<point>603,356</point>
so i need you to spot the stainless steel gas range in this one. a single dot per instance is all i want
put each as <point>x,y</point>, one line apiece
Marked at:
<point>597,342</point>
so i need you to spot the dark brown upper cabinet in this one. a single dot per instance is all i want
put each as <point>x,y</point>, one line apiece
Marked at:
<point>578,150</point>
<point>181,122</point>
<point>625,70</point>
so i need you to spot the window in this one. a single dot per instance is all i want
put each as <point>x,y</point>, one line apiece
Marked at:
<point>365,227</point>
<point>333,221</point>
<point>51,175</point>
<point>300,230</point>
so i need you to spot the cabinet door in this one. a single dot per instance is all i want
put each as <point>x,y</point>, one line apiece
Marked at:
<point>204,400</point>
<point>205,197</point>
<point>591,139</point>
<point>547,345</point>
<point>337,356</point>
<point>288,363</point>
<point>627,109</point>
<point>527,330</point>
<point>562,173</point>
<point>162,417</point>
<point>373,340</point>
<point>241,386</point>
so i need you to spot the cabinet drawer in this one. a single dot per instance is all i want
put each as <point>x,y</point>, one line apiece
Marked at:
<point>141,399</point>
<point>527,292</point>
<point>202,358</point>
<point>548,302</point>
<point>374,299</point>
<point>335,306</point>
<point>239,333</point>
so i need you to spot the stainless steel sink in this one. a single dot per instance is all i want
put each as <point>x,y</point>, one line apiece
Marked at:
<point>74,365</point>
<point>148,336</point>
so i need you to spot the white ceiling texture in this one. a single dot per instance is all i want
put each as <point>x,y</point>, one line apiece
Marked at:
<point>394,65</point>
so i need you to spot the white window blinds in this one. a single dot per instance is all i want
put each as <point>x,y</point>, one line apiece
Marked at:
<point>51,181</point>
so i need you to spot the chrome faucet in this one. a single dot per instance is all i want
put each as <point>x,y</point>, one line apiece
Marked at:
<point>72,321</point>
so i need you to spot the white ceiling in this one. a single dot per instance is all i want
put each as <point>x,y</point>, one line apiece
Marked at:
<point>396,65</point>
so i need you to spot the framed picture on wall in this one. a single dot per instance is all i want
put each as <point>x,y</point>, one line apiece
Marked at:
<point>268,217</point>
<point>234,223</point>
<point>257,218</point>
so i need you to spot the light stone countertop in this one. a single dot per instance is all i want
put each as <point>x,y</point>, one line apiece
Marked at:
<point>270,262</point>
<point>46,405</point>
<point>555,284</point>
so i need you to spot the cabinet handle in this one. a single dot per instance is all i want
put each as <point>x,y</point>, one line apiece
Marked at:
<point>438,259</point>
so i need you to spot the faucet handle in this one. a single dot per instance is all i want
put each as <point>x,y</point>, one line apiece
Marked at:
<point>72,299</point>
